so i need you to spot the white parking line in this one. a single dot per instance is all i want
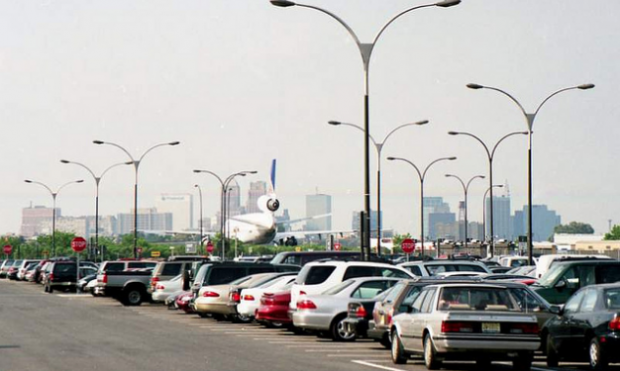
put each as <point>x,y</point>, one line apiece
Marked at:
<point>332,345</point>
<point>352,355</point>
<point>364,363</point>
<point>336,350</point>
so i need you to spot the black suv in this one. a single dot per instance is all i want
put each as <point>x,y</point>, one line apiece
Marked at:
<point>63,275</point>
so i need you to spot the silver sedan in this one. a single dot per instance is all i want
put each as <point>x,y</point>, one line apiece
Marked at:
<point>481,322</point>
<point>327,312</point>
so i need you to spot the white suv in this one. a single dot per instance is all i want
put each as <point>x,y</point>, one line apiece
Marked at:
<point>433,267</point>
<point>316,277</point>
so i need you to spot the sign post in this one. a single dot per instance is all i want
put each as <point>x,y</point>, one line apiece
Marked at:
<point>408,245</point>
<point>78,244</point>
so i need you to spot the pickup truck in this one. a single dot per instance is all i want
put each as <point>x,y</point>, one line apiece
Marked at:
<point>130,286</point>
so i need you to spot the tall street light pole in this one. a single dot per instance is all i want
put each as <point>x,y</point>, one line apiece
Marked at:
<point>224,186</point>
<point>54,194</point>
<point>484,217</point>
<point>490,157</point>
<point>136,164</point>
<point>379,147</point>
<point>200,199</point>
<point>529,120</point>
<point>97,180</point>
<point>465,191</point>
<point>365,50</point>
<point>422,176</point>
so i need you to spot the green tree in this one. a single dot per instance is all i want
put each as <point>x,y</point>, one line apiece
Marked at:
<point>574,228</point>
<point>398,239</point>
<point>614,234</point>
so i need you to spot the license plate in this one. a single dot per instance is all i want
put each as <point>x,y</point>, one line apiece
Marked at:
<point>490,328</point>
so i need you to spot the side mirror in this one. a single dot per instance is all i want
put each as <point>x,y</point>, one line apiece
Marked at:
<point>557,310</point>
<point>561,284</point>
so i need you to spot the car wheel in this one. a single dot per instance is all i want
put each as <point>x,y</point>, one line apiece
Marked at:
<point>430,356</point>
<point>242,318</point>
<point>338,330</point>
<point>523,362</point>
<point>203,315</point>
<point>276,324</point>
<point>132,297</point>
<point>218,317</point>
<point>397,351</point>
<point>552,355</point>
<point>598,361</point>
<point>49,289</point>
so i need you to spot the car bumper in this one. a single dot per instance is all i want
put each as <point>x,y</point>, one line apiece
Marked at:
<point>247,308</point>
<point>274,314</point>
<point>311,320</point>
<point>376,333</point>
<point>357,325</point>
<point>160,296</point>
<point>485,344</point>
<point>217,308</point>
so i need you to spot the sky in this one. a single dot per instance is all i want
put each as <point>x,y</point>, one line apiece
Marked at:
<point>239,83</point>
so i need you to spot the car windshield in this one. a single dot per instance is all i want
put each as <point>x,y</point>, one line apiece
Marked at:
<point>549,278</point>
<point>477,298</point>
<point>338,288</point>
<point>612,299</point>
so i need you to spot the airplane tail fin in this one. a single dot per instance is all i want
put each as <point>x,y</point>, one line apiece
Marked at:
<point>272,185</point>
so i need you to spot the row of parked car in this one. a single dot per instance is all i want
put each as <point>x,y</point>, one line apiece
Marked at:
<point>445,309</point>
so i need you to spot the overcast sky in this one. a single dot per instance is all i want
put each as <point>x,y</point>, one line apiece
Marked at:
<point>242,82</point>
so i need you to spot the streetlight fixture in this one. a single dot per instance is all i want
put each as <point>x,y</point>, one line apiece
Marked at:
<point>490,157</point>
<point>223,191</point>
<point>200,198</point>
<point>97,180</point>
<point>484,217</point>
<point>136,164</point>
<point>465,191</point>
<point>421,176</point>
<point>529,120</point>
<point>379,147</point>
<point>54,194</point>
<point>365,50</point>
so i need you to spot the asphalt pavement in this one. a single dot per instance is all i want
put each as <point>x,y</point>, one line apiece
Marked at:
<point>69,332</point>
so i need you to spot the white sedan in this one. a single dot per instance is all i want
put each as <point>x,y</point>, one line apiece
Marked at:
<point>250,297</point>
<point>163,289</point>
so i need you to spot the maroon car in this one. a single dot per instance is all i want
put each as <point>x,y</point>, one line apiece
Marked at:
<point>183,302</point>
<point>273,310</point>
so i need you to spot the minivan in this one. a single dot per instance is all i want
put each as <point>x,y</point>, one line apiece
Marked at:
<point>564,279</point>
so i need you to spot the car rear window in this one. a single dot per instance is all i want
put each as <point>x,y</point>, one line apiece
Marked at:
<point>114,267</point>
<point>315,275</point>
<point>222,275</point>
<point>612,299</point>
<point>365,271</point>
<point>476,298</point>
<point>64,269</point>
<point>171,269</point>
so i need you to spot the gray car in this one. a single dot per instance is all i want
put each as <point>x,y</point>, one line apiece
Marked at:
<point>480,322</point>
<point>327,312</point>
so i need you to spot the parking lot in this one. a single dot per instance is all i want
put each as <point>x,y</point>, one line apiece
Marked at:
<point>67,331</point>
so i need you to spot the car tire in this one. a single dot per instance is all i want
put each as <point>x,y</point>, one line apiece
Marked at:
<point>218,317</point>
<point>523,362</point>
<point>397,350</point>
<point>430,356</point>
<point>385,341</point>
<point>240,318</point>
<point>49,289</point>
<point>203,315</point>
<point>132,296</point>
<point>552,355</point>
<point>338,330</point>
<point>598,360</point>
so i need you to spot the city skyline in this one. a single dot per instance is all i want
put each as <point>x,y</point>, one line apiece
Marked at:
<point>138,86</point>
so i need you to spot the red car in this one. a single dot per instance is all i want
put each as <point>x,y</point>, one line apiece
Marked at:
<point>183,302</point>
<point>273,310</point>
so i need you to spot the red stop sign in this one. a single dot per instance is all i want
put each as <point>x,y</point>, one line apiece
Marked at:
<point>8,249</point>
<point>408,245</point>
<point>78,244</point>
<point>337,246</point>
<point>209,247</point>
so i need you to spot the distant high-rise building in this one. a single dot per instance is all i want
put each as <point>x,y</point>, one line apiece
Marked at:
<point>502,221</point>
<point>356,226</point>
<point>256,190</point>
<point>234,200</point>
<point>318,204</point>
<point>181,206</point>
<point>433,205</point>
<point>441,225</point>
<point>544,222</point>
<point>148,219</point>
<point>34,218</point>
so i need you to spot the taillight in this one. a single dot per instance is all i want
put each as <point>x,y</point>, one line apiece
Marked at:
<point>302,293</point>
<point>361,312</point>
<point>614,324</point>
<point>248,297</point>
<point>160,287</point>
<point>210,294</point>
<point>235,297</point>
<point>105,278</point>
<point>305,304</point>
<point>389,316</point>
<point>456,327</point>
<point>154,281</point>
<point>524,328</point>
<point>51,277</point>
